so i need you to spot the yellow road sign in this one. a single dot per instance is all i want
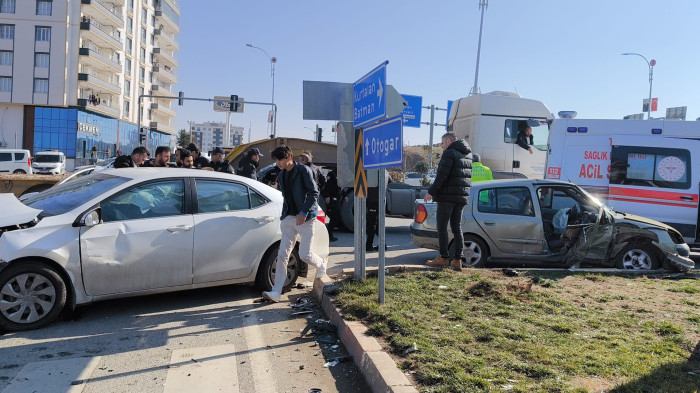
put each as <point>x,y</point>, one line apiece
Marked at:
<point>360,174</point>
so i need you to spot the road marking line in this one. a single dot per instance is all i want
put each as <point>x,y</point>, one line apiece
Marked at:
<point>59,376</point>
<point>206,369</point>
<point>263,377</point>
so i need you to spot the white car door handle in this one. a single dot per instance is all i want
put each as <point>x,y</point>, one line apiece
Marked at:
<point>264,220</point>
<point>181,228</point>
<point>490,222</point>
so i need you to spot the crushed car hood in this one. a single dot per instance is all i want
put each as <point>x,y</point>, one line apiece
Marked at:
<point>14,212</point>
<point>639,220</point>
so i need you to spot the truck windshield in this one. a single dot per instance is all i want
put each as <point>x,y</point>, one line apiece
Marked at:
<point>65,197</point>
<point>540,135</point>
<point>47,158</point>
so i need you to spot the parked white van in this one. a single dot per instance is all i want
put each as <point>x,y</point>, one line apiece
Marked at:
<point>490,124</point>
<point>645,167</point>
<point>52,162</point>
<point>15,161</point>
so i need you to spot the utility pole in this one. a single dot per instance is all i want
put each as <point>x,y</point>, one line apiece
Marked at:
<point>432,124</point>
<point>483,5</point>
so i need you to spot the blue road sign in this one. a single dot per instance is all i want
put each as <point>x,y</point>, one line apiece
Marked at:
<point>411,113</point>
<point>382,144</point>
<point>449,107</point>
<point>368,98</point>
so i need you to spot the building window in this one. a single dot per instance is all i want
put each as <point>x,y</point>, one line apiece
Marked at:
<point>7,32</point>
<point>127,69</point>
<point>143,35</point>
<point>129,44</point>
<point>7,6</point>
<point>43,7</point>
<point>131,5</point>
<point>6,57</point>
<point>41,60</point>
<point>140,91</point>
<point>41,85</point>
<point>5,83</point>
<point>153,39</point>
<point>126,108</point>
<point>143,55</point>
<point>153,20</point>
<point>144,17</point>
<point>150,114</point>
<point>129,25</point>
<point>127,87</point>
<point>142,74</point>
<point>43,33</point>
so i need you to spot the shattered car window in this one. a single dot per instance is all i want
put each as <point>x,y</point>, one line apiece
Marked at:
<point>65,197</point>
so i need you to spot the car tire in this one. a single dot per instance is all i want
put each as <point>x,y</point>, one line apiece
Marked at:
<point>32,284</point>
<point>19,172</point>
<point>479,254</point>
<point>638,256</point>
<point>266,272</point>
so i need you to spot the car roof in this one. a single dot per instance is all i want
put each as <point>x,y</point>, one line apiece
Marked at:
<point>519,182</point>
<point>147,173</point>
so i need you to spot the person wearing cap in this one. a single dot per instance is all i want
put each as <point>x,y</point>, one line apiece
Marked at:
<point>306,159</point>
<point>218,164</point>
<point>248,166</point>
<point>199,160</point>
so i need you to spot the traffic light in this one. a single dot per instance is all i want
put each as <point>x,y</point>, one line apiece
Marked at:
<point>319,134</point>
<point>142,137</point>
<point>180,97</point>
<point>234,105</point>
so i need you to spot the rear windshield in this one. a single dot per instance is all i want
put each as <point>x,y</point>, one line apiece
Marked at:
<point>47,158</point>
<point>67,196</point>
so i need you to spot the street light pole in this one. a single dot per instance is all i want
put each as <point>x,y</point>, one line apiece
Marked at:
<point>273,60</point>
<point>651,65</point>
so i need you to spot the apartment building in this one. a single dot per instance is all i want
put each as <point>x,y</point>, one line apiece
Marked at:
<point>71,72</point>
<point>209,135</point>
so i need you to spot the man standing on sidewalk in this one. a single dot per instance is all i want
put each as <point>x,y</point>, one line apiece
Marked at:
<point>298,215</point>
<point>451,192</point>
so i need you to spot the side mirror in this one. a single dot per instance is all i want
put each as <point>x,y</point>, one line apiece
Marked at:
<point>91,218</point>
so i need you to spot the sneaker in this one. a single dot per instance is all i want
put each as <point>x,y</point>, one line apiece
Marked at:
<point>272,296</point>
<point>456,264</point>
<point>439,262</point>
<point>321,270</point>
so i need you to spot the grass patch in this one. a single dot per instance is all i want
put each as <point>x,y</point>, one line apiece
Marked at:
<point>488,331</point>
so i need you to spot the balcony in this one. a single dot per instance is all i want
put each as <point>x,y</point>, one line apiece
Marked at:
<point>162,90</point>
<point>96,32</point>
<point>164,74</point>
<point>166,40</point>
<point>99,83</point>
<point>163,108</point>
<point>167,16</point>
<point>97,57</point>
<point>105,13</point>
<point>102,107</point>
<point>165,57</point>
<point>162,126</point>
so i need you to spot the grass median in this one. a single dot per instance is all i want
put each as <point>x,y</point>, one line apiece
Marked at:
<point>562,332</point>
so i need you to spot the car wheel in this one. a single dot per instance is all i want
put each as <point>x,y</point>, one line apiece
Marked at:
<point>475,251</point>
<point>267,270</point>
<point>19,172</point>
<point>32,295</point>
<point>637,257</point>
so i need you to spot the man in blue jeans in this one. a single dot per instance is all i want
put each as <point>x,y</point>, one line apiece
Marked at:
<point>451,192</point>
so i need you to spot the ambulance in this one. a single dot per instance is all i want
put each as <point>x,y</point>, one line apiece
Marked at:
<point>490,124</point>
<point>649,168</point>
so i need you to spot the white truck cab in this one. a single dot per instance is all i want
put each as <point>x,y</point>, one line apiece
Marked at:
<point>52,162</point>
<point>490,123</point>
<point>645,167</point>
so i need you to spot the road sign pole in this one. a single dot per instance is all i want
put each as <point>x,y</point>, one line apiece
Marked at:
<point>432,126</point>
<point>360,212</point>
<point>382,240</point>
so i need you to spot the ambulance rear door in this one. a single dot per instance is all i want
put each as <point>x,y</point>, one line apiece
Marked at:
<point>656,177</point>
<point>585,161</point>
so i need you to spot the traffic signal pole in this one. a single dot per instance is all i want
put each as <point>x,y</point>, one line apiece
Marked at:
<point>182,98</point>
<point>432,124</point>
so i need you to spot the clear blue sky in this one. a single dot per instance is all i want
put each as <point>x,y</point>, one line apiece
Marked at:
<point>564,53</point>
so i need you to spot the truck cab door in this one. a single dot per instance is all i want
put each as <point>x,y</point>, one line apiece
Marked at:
<point>657,177</point>
<point>525,164</point>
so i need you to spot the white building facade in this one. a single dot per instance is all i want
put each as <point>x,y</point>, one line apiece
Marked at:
<point>71,72</point>
<point>209,135</point>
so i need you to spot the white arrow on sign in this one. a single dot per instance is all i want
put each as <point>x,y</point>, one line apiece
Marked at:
<point>380,91</point>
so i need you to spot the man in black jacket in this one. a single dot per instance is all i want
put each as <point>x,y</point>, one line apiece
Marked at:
<point>248,166</point>
<point>451,192</point>
<point>218,163</point>
<point>199,160</point>
<point>299,211</point>
<point>525,136</point>
<point>137,157</point>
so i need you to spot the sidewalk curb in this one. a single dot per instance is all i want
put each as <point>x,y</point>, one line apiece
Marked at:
<point>377,367</point>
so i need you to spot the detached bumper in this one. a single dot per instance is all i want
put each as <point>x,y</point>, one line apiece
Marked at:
<point>679,263</point>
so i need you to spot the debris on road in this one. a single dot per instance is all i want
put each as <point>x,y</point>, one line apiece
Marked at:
<point>411,349</point>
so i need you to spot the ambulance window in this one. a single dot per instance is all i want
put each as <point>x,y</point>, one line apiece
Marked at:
<point>540,132</point>
<point>650,167</point>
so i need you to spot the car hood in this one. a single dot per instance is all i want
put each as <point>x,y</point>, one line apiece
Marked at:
<point>637,220</point>
<point>14,212</point>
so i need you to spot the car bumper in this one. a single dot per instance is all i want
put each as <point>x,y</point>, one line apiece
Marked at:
<point>679,263</point>
<point>424,238</point>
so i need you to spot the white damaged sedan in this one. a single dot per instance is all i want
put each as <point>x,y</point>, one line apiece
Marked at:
<point>126,232</point>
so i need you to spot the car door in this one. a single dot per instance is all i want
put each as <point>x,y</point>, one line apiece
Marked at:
<point>655,177</point>
<point>509,218</point>
<point>144,241</point>
<point>233,227</point>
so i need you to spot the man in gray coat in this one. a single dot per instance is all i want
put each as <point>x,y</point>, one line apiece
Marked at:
<point>451,192</point>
